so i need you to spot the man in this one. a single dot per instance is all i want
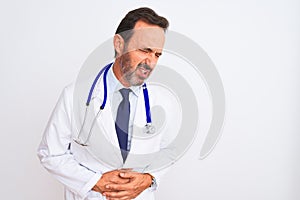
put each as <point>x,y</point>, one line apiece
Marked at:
<point>138,43</point>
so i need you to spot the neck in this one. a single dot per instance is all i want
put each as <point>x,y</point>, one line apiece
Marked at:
<point>117,70</point>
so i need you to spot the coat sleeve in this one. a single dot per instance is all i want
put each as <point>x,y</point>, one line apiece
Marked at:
<point>54,152</point>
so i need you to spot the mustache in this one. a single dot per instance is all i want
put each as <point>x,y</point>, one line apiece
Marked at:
<point>145,66</point>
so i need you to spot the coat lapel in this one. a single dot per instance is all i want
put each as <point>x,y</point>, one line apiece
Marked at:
<point>106,141</point>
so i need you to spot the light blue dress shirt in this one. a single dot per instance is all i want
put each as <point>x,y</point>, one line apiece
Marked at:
<point>115,97</point>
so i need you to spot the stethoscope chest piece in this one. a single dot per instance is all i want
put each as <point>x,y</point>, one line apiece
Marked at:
<point>149,129</point>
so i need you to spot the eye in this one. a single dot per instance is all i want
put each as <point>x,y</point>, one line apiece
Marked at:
<point>148,51</point>
<point>157,55</point>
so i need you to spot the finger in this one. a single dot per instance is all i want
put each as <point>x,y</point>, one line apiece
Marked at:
<point>120,187</point>
<point>123,198</point>
<point>128,174</point>
<point>119,194</point>
<point>119,180</point>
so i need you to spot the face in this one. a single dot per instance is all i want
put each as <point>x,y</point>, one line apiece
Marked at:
<point>140,55</point>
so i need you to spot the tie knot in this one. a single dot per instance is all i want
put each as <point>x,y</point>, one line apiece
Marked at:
<point>125,93</point>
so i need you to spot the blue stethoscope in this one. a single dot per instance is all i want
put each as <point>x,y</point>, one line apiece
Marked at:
<point>148,128</point>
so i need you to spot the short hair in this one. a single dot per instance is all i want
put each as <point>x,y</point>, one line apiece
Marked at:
<point>145,14</point>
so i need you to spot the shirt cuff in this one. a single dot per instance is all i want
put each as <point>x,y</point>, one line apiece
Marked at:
<point>153,185</point>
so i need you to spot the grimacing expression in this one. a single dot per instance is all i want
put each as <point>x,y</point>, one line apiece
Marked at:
<point>141,54</point>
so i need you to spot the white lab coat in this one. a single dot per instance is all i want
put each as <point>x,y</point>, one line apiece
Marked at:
<point>76,167</point>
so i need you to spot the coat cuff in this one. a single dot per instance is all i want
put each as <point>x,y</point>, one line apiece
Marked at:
<point>89,185</point>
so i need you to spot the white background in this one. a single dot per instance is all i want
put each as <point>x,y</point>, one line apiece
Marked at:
<point>255,46</point>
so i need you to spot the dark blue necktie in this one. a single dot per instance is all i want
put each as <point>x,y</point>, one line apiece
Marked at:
<point>122,122</point>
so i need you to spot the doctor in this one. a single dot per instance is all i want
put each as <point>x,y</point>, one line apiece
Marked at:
<point>138,44</point>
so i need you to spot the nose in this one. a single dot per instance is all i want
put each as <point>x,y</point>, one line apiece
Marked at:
<point>151,59</point>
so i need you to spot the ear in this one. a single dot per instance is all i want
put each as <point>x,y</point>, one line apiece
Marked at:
<point>119,44</point>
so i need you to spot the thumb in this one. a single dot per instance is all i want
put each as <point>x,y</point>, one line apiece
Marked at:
<point>126,175</point>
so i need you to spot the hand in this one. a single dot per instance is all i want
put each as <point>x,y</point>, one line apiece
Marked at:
<point>111,177</point>
<point>126,191</point>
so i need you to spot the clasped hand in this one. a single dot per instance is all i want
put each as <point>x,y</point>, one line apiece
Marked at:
<point>123,184</point>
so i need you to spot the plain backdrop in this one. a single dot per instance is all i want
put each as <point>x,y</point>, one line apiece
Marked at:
<point>255,46</point>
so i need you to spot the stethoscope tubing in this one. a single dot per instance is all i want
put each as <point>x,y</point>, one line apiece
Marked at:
<point>147,104</point>
<point>104,71</point>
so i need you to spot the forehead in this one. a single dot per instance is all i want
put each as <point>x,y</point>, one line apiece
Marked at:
<point>147,36</point>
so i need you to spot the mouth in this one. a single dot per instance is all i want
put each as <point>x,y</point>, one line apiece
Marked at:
<point>144,71</point>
